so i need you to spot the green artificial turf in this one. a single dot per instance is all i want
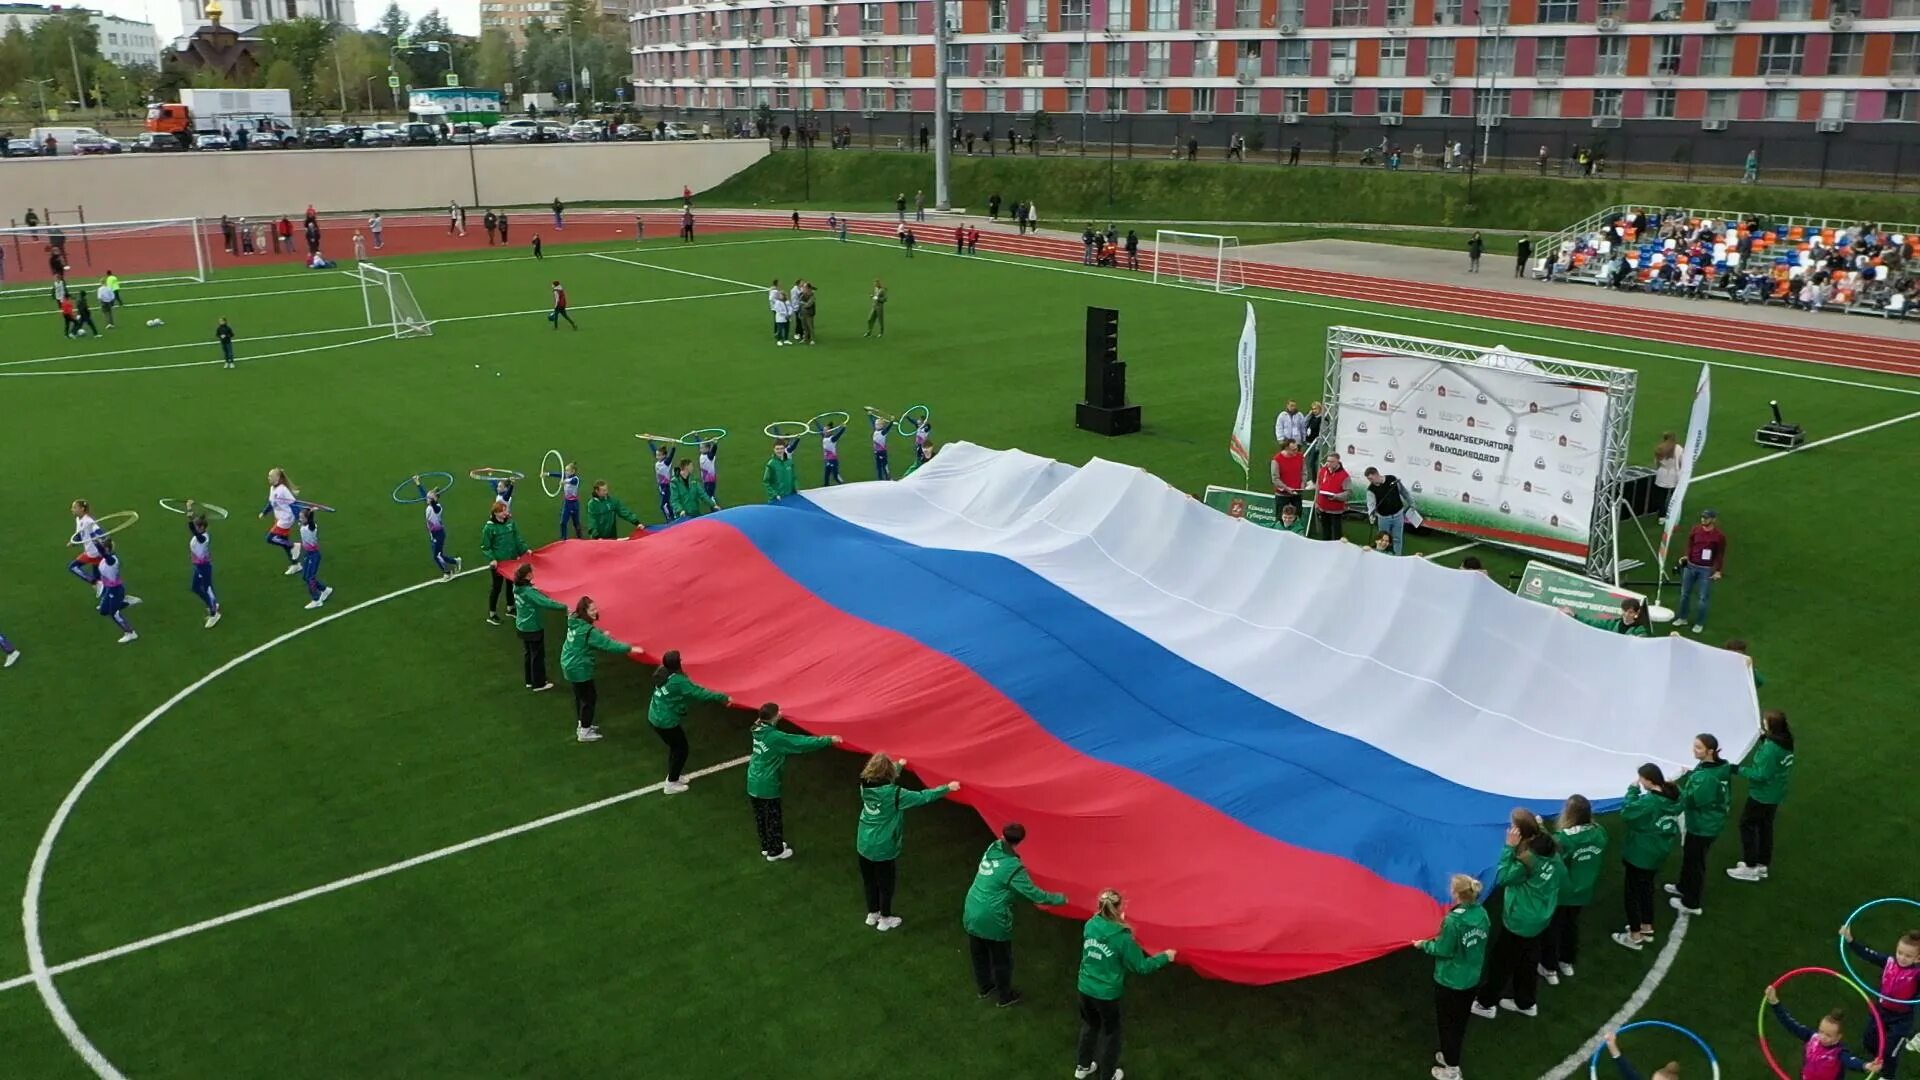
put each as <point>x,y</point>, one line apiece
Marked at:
<point>648,937</point>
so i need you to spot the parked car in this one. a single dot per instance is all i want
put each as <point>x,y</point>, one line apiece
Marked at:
<point>318,138</point>
<point>209,142</point>
<point>634,133</point>
<point>418,134</point>
<point>97,144</point>
<point>374,137</point>
<point>463,134</point>
<point>548,131</point>
<point>513,130</point>
<point>675,131</point>
<point>586,131</point>
<point>156,142</point>
<point>22,148</point>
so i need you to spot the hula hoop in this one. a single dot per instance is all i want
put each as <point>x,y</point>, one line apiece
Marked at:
<point>309,504</point>
<point>788,429</point>
<point>878,415</point>
<point>179,506</point>
<point>1760,1022</point>
<point>926,415</point>
<point>488,474</point>
<point>546,474</point>
<point>1846,958</point>
<point>650,437</point>
<point>436,488</point>
<point>844,418</point>
<point>1593,1065</point>
<point>126,519</point>
<point>703,435</point>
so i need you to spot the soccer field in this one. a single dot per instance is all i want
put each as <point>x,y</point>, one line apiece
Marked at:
<point>346,843</point>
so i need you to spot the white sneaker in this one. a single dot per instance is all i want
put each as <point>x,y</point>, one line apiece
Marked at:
<point>313,605</point>
<point>1743,872</point>
<point>873,918</point>
<point>1680,906</point>
<point>673,787</point>
<point>457,565</point>
<point>213,620</point>
<point>13,658</point>
<point>548,686</point>
<point>1626,940</point>
<point>326,592</point>
<point>292,569</point>
<point>786,852</point>
<point>124,638</point>
<point>133,601</point>
<point>1566,971</point>
<point>1483,1012</point>
<point>1670,890</point>
<point>888,922</point>
<point>1699,628</point>
<point>1763,872</point>
<point>1081,1072</point>
<point>1551,975</point>
<point>587,734</point>
<point>1444,1072</point>
<point>1512,1006</point>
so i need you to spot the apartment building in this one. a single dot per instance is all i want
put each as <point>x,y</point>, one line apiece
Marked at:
<point>123,41</point>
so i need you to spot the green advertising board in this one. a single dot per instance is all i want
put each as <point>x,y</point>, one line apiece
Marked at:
<point>1255,506</point>
<point>1591,601</point>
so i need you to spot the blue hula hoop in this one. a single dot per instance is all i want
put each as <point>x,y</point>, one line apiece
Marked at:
<point>437,489</point>
<point>1846,957</point>
<point>1593,1064</point>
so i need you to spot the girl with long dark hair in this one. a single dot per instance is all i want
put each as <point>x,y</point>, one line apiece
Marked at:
<point>1651,815</point>
<point>1767,771</point>
<point>1706,794</point>
<point>673,692</point>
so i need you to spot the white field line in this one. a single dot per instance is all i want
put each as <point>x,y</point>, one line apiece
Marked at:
<point>197,363</point>
<point>223,298</point>
<point>671,270</point>
<point>1636,1001</point>
<point>1455,550</point>
<point>1803,447</point>
<point>176,345</point>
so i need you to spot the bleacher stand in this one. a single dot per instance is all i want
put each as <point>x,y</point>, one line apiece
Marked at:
<point>1862,269</point>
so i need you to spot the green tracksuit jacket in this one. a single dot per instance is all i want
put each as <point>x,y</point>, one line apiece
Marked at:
<point>528,602</point>
<point>602,512</point>
<point>500,540</point>
<point>771,748</point>
<point>1107,954</point>
<point>1459,950</point>
<point>1767,770</point>
<point>1652,821</point>
<point>1581,849</point>
<point>1705,794</point>
<point>668,706</point>
<point>1532,891</point>
<point>882,823</point>
<point>777,477</point>
<point>576,654</point>
<point>989,910</point>
<point>688,497</point>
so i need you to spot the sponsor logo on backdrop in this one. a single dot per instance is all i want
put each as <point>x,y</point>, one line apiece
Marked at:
<point>1476,474</point>
<point>1441,390</point>
<point>1383,406</point>
<point>1416,487</point>
<point>1466,496</point>
<point>1539,463</point>
<point>1349,448</point>
<point>1576,415</point>
<point>1554,521</point>
<point>1393,384</point>
<point>1563,440</point>
<point>1421,412</point>
<point>1361,427</point>
<point>1439,466</point>
<point>1526,486</point>
<point>1469,421</point>
<point>1506,508</point>
<point>1480,399</point>
<point>1513,429</point>
<point>1533,586</point>
<point>1389,455</point>
<point>1567,497</point>
<point>1533,406</point>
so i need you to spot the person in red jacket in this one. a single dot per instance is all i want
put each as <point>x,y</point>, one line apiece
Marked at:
<point>1289,475</point>
<point>1330,499</point>
<point>1706,559</point>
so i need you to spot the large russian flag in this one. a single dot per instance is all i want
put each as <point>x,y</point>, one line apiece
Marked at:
<point>1279,749</point>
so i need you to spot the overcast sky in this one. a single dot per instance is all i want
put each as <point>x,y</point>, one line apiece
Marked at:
<point>464,15</point>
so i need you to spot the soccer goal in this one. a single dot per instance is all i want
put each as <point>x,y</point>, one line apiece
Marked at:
<point>148,252</point>
<point>388,301</point>
<point>1207,260</point>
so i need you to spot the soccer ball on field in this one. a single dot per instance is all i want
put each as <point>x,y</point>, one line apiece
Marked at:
<point>82,332</point>
<point>154,322</point>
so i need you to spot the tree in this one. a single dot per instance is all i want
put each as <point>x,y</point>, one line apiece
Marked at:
<point>302,45</point>
<point>393,22</point>
<point>58,43</point>
<point>492,60</point>
<point>432,27</point>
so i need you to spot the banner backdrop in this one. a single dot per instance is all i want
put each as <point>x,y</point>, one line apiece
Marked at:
<point>1510,453</point>
<point>1690,452</point>
<point>1595,602</point>
<point>1239,445</point>
<point>1258,507</point>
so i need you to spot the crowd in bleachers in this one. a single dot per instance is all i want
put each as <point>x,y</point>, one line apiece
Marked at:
<point>1864,269</point>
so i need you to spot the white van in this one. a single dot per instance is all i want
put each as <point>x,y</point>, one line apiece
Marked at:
<point>63,137</point>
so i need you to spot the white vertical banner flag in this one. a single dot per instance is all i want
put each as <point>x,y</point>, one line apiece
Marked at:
<point>1242,438</point>
<point>1690,452</point>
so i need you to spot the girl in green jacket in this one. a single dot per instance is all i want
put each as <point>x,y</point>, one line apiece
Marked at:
<point>667,709</point>
<point>688,497</point>
<point>1108,954</point>
<point>1767,771</point>
<point>529,602</point>
<point>1582,847</point>
<point>603,511</point>
<point>500,541</point>
<point>1459,954</point>
<point>1706,794</point>
<point>576,662</point>
<point>1529,874</point>
<point>1651,815</point>
<point>882,803</point>
<point>771,748</point>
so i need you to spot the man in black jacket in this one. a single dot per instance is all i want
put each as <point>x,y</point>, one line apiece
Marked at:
<point>1387,505</point>
<point>1522,253</point>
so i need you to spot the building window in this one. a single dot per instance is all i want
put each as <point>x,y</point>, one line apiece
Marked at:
<point>902,60</point>
<point>1247,102</point>
<point>759,62</point>
<point>1037,14</point>
<point>1606,103</point>
<point>996,99</point>
<point>1296,100</point>
<point>1546,104</point>
<point>910,17</point>
<point>1661,104</point>
<point>1838,104</point>
<point>1439,103</point>
<point>830,20</point>
<point>1906,9</point>
<point>997,16</point>
<point>1846,51</point>
<point>1440,58</point>
<point>1077,99</point>
<point>1349,12</point>
<point>1447,13</point>
<point>1117,58</point>
<point>1296,57</point>
<point>1723,105</point>
<point>872,20</point>
<point>1716,56</point>
<point>735,27</point>
<point>1791,10</point>
<point>1783,104</point>
<point>1906,55</point>
<point>873,62</point>
<point>1203,99</point>
<point>779,63</point>
<point>1390,101</point>
<point>1559,11</point>
<point>1157,52</point>
<point>995,62</point>
<point>1204,17</point>
<point>1494,12</point>
<point>1156,99</point>
<point>1780,54</point>
<point>1074,14</point>
<point>1290,12</point>
<point>1903,105</point>
<point>1393,59</point>
<point>1399,13</point>
<point>1206,59</point>
<point>1611,58</point>
<point>956,59</point>
<point>1340,57</point>
<point>1077,60</point>
<point>1246,14</point>
<point>1550,57</point>
<point>1119,14</point>
<point>1666,55</point>
<point>1340,101</point>
<point>1033,61</point>
<point>1727,9</point>
<point>834,63</point>
<point>1488,104</point>
<point>1163,15</point>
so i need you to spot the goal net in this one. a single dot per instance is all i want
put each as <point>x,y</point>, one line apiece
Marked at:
<point>1206,260</point>
<point>170,249</point>
<point>389,302</point>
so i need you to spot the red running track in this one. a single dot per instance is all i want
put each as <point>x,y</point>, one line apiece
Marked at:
<point>166,251</point>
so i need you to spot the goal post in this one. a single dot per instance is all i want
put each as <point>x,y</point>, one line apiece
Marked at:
<point>388,301</point>
<point>1204,260</point>
<point>136,252</point>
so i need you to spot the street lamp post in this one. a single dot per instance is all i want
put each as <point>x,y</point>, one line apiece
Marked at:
<point>801,113</point>
<point>573,69</point>
<point>372,102</point>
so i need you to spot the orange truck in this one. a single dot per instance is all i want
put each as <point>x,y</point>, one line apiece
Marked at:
<point>217,112</point>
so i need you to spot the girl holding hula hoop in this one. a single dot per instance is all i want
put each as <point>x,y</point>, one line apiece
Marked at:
<point>830,450</point>
<point>1530,874</point>
<point>667,711</point>
<point>922,430</point>
<point>86,533</point>
<point>1767,772</point>
<point>113,591</point>
<point>200,552</point>
<point>1651,816</point>
<point>1669,1071</point>
<point>576,663</point>
<point>603,510</point>
<point>569,477</point>
<point>317,590</point>
<point>1826,1056</point>
<point>1706,794</point>
<point>710,471</point>
<point>882,427</point>
<point>500,540</point>
<point>1108,954</point>
<point>1459,952</point>
<point>529,602</point>
<point>1582,848</point>
<point>282,503</point>
<point>1899,992</point>
<point>663,475</point>
<point>448,565</point>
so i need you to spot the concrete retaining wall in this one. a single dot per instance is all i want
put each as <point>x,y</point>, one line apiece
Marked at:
<point>255,183</point>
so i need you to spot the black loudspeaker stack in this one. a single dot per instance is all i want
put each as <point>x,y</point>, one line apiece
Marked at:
<point>1105,409</point>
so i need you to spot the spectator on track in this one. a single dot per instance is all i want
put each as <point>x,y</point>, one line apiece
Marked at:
<point>1522,252</point>
<point>1475,246</point>
<point>559,214</point>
